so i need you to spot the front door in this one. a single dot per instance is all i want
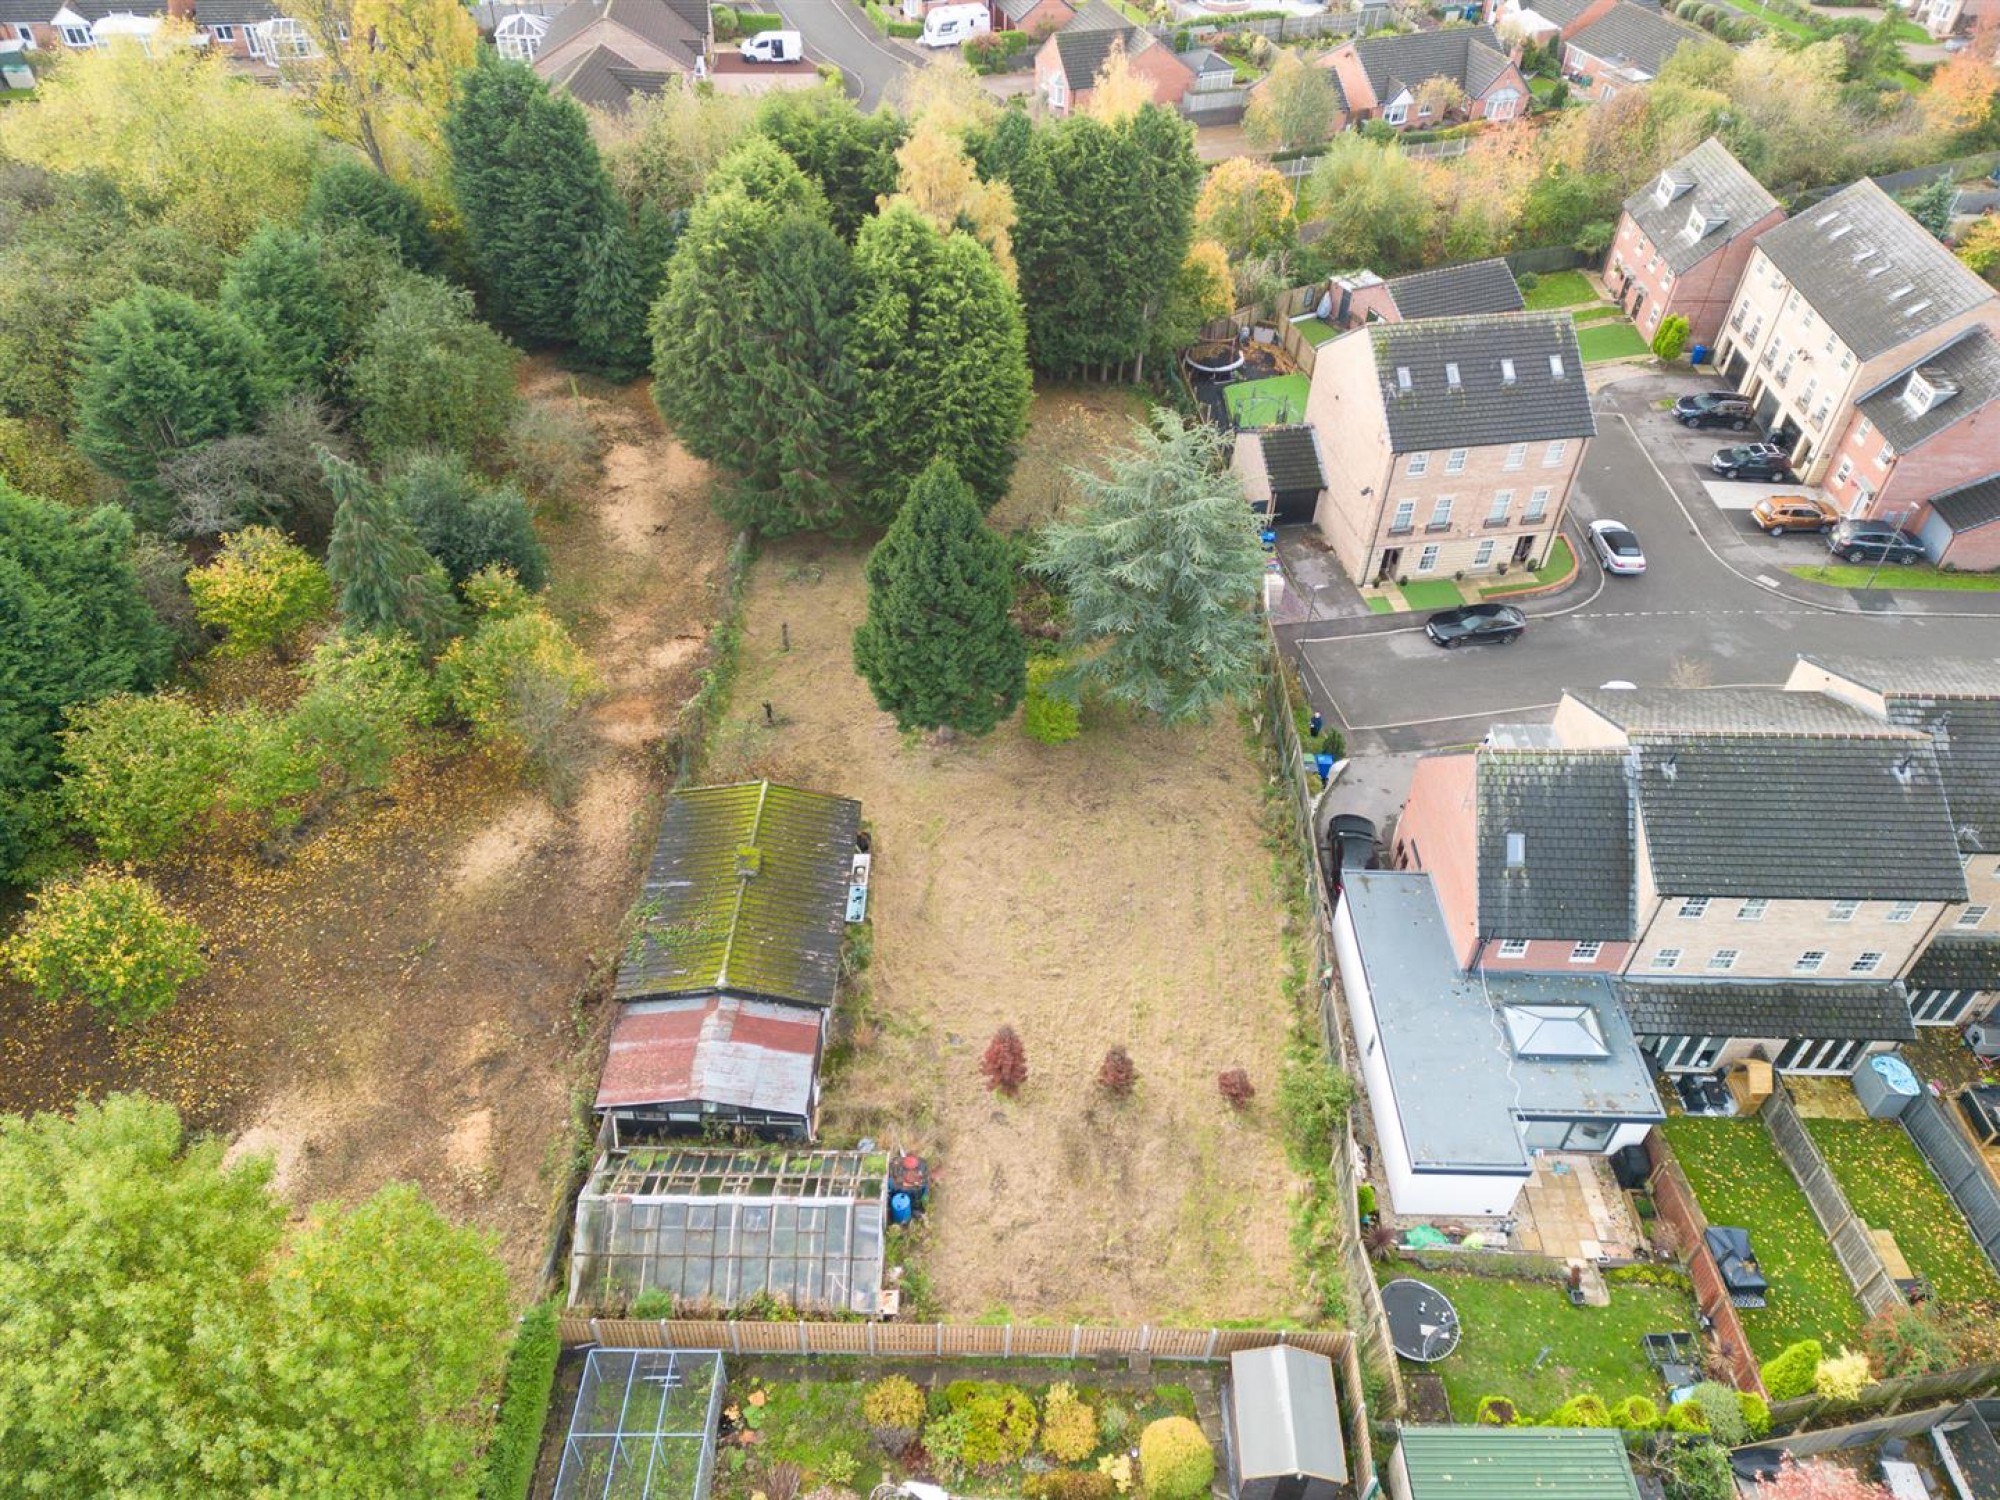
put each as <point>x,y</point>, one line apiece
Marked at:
<point>1524,548</point>
<point>1392,558</point>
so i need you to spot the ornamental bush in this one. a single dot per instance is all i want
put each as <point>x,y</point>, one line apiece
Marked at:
<point>1000,1426</point>
<point>1636,1414</point>
<point>1756,1412</point>
<point>893,1408</point>
<point>1069,1426</point>
<point>1790,1373</point>
<point>1844,1377</point>
<point>108,940</point>
<point>1070,1484</point>
<point>261,592</point>
<point>1719,1404</point>
<point>1497,1411</point>
<point>1049,718</point>
<point>1686,1417</point>
<point>1175,1460</point>
<point>1583,1410</point>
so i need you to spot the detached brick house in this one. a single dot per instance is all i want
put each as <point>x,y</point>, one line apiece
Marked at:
<point>1684,239</point>
<point>1449,444</point>
<point>248,30</point>
<point>1624,48</point>
<point>1834,304</point>
<point>1379,77</point>
<point>1069,62</point>
<point>606,53</point>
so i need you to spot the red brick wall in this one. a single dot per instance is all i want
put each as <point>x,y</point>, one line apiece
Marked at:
<point>1438,833</point>
<point>1701,294</point>
<point>1675,1202</point>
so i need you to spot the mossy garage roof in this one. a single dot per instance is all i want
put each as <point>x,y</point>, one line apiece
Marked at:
<point>1498,1463</point>
<point>747,894</point>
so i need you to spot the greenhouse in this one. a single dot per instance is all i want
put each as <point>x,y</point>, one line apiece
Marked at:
<point>643,1427</point>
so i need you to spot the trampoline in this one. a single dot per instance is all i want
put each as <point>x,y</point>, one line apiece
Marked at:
<point>1215,359</point>
<point>1423,1325</point>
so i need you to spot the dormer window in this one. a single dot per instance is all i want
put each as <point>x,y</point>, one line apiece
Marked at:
<point>1927,389</point>
<point>1703,220</point>
<point>1671,186</point>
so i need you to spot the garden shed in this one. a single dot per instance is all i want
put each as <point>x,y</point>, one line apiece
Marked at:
<point>1282,1426</point>
<point>643,1427</point>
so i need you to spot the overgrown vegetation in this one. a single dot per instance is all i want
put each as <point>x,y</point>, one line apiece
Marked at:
<point>524,1406</point>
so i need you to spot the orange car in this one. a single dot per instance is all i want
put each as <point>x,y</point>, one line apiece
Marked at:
<point>1778,514</point>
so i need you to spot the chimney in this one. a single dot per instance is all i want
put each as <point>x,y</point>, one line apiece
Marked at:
<point>181,10</point>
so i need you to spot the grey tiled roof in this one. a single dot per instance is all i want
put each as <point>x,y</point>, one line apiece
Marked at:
<point>1083,49</point>
<point>1965,733</point>
<point>1572,809</point>
<point>667,24</point>
<point>233,12</point>
<point>1971,362</point>
<point>1875,274</point>
<point>1480,286</point>
<point>1464,54</point>
<point>1798,818</point>
<point>1562,12</point>
<point>1970,506</point>
<point>1719,179</point>
<point>1291,458</point>
<point>599,78</point>
<point>1958,962</point>
<point>1636,37</point>
<point>1876,1012</point>
<point>1097,15</point>
<point>1485,410</point>
<point>1731,710</point>
<point>1931,676</point>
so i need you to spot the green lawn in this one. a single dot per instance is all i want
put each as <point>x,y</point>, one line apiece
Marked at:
<point>1316,331</point>
<point>1736,1174</point>
<point>1596,314</point>
<point>1273,402</point>
<point>1772,19</point>
<point>1895,576</point>
<point>1886,1181</point>
<point>1601,341</point>
<point>1541,87</point>
<point>1432,593</point>
<point>1560,289</point>
<point>1523,1340</point>
<point>1380,606</point>
<point>1558,566</point>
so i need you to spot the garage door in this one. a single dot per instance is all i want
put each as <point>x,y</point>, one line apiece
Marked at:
<point>1295,507</point>
<point>1935,534</point>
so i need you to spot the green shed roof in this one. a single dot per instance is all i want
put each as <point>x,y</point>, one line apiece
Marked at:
<point>1530,1463</point>
<point>747,893</point>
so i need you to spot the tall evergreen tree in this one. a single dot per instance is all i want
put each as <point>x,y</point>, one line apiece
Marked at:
<point>940,360</point>
<point>387,582</point>
<point>609,320</point>
<point>466,524</point>
<point>278,289</point>
<point>765,174</point>
<point>1931,205</point>
<point>939,648</point>
<point>850,155</point>
<point>1161,571</point>
<point>348,192</point>
<point>427,373</point>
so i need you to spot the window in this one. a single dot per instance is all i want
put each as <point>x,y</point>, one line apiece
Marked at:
<point>1395,114</point>
<point>1423,110</point>
<point>1517,851</point>
<point>1752,910</point>
<point>1440,513</point>
<point>1455,462</point>
<point>1867,963</point>
<point>1585,953</point>
<point>76,36</point>
<point>1694,907</point>
<point>1517,454</point>
<point>1429,559</point>
<point>1972,916</point>
<point>1940,1007</point>
<point>1842,911</point>
<point>1722,960</point>
<point>1884,456</point>
<point>1902,911</point>
<point>1811,390</point>
<point>1553,454</point>
<point>1507,378</point>
<point>1420,465</point>
<point>1482,555</point>
<point>223,33</point>
<point>1688,1054</point>
<point>1667,958</point>
<point>1514,948</point>
<point>1503,501</point>
<point>1819,1055</point>
<point>25,35</point>
<point>1405,518</point>
<point>1861,432</point>
<point>1846,468</point>
<point>1538,504</point>
<point>1809,961</point>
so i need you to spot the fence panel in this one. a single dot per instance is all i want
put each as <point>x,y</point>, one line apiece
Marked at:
<point>1960,1167</point>
<point>1677,1205</point>
<point>1859,1260</point>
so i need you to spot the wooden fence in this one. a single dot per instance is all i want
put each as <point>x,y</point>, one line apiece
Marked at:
<point>1283,28</point>
<point>941,1340</point>
<point>1889,1396</point>
<point>1867,1432</point>
<point>1860,1261</point>
<point>1677,1205</point>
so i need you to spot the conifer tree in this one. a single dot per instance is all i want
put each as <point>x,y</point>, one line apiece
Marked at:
<point>348,192</point>
<point>278,289</point>
<point>938,647</point>
<point>387,582</point>
<point>609,320</point>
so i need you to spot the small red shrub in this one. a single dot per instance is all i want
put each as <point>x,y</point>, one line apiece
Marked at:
<point>1236,1087</point>
<point>1116,1075</point>
<point>1005,1062</point>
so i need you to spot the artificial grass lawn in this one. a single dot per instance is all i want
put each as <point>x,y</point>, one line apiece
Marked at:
<point>1601,341</point>
<point>1380,606</point>
<point>1506,1325</point>
<point>1317,331</point>
<point>1432,593</point>
<point>1560,289</point>
<point>1272,402</point>
<point>1559,563</point>
<point>1737,1176</point>
<point>1895,576</point>
<point>1886,1181</point>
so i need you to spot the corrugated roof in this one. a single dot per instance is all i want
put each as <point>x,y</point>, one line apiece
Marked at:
<point>747,893</point>
<point>1636,37</point>
<point>746,1054</point>
<point>1480,286</point>
<point>1286,1421</point>
<point>1958,961</point>
<point>1555,844</point>
<point>1485,407</point>
<point>1291,457</point>
<point>1730,710</point>
<point>1970,362</point>
<point>1516,1463</point>
<point>1877,1011</point>
<point>1717,179</point>
<point>1875,274</point>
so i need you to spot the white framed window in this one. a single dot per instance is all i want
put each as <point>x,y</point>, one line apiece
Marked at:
<point>25,35</point>
<point>1405,518</point>
<point>1809,961</point>
<point>1553,454</point>
<point>1940,1007</point>
<point>1722,960</point>
<point>1585,952</point>
<point>1427,562</point>
<point>1884,456</point>
<point>1423,110</point>
<point>1420,465</point>
<point>1694,907</point>
<point>1752,910</point>
<point>1482,555</point>
<point>1667,958</point>
<point>1440,512</point>
<point>1902,911</point>
<point>1455,461</point>
<point>1513,947</point>
<point>1058,92</point>
<point>1842,911</point>
<point>1972,916</point>
<point>223,33</point>
<point>1538,504</point>
<point>1861,432</point>
<point>1395,114</point>
<point>1503,501</point>
<point>1517,453</point>
<point>1687,1054</point>
<point>1866,963</point>
<point>76,36</point>
<point>1841,474</point>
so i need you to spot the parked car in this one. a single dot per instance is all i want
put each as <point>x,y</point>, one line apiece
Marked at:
<point>1778,514</point>
<point>1351,844</point>
<point>1452,628</point>
<point>1617,548</point>
<point>1715,409</point>
<point>1865,541</point>
<point>772,46</point>
<point>1752,461</point>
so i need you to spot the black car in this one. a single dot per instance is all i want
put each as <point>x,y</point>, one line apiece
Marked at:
<point>1351,844</point>
<point>1752,461</point>
<point>1866,541</point>
<point>1476,622</point>
<point>1714,409</point>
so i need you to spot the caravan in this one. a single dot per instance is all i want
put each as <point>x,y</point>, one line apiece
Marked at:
<point>950,25</point>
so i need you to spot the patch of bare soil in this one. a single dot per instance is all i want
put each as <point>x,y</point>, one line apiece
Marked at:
<point>410,995</point>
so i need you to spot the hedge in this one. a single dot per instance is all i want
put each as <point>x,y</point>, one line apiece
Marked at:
<point>524,1406</point>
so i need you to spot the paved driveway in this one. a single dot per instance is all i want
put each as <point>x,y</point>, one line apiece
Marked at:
<point>836,31</point>
<point>1712,607</point>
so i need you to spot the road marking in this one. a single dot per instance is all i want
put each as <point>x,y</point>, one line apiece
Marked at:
<point>1768,581</point>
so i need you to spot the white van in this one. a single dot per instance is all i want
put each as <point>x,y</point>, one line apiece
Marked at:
<point>950,25</point>
<point>772,46</point>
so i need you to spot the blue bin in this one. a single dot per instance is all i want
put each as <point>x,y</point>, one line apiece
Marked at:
<point>899,1208</point>
<point>1698,355</point>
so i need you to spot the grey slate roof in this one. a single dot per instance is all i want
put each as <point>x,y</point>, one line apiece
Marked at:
<point>1291,458</point>
<point>1086,42</point>
<point>1720,180</point>
<point>1097,15</point>
<point>1970,961</point>
<point>1562,12</point>
<point>1798,818</point>
<point>1875,274</point>
<point>601,79</point>
<point>231,12</point>
<point>1572,809</point>
<point>1537,407</point>
<point>1971,362</point>
<point>1470,56</point>
<point>1480,286</point>
<point>1965,733</point>
<point>1873,1012</point>
<point>1636,37</point>
<point>1730,710</point>
<point>1970,506</point>
<point>1930,676</point>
